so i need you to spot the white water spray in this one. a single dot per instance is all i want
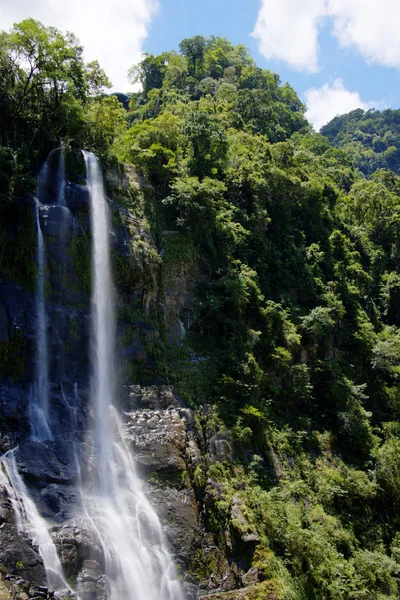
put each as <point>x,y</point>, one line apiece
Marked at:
<point>30,523</point>
<point>138,564</point>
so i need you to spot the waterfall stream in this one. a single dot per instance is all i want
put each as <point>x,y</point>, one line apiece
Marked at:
<point>29,521</point>
<point>138,564</point>
<point>39,404</point>
<point>61,178</point>
<point>113,503</point>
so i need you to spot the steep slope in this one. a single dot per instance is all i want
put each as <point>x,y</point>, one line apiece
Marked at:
<point>291,328</point>
<point>258,277</point>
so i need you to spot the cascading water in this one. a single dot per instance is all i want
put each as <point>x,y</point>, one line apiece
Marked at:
<point>61,178</point>
<point>138,564</point>
<point>30,522</point>
<point>114,505</point>
<point>39,402</point>
<point>28,519</point>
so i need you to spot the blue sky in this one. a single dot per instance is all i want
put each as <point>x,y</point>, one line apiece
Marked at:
<point>178,19</point>
<point>337,54</point>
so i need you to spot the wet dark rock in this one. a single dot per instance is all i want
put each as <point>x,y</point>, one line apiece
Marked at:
<point>49,468</point>
<point>20,307</point>
<point>4,331</point>
<point>55,221</point>
<point>136,348</point>
<point>123,240</point>
<point>179,286</point>
<point>77,197</point>
<point>191,591</point>
<point>14,418</point>
<point>47,462</point>
<point>178,512</point>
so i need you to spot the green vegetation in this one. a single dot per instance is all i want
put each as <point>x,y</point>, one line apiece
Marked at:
<point>372,138</point>
<point>294,337</point>
<point>294,329</point>
<point>48,94</point>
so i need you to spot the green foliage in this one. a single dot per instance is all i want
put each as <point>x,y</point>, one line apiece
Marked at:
<point>372,138</point>
<point>152,146</point>
<point>45,88</point>
<point>105,121</point>
<point>207,143</point>
<point>295,315</point>
<point>292,259</point>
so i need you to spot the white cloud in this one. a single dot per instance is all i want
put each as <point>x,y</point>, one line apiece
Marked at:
<point>328,101</point>
<point>372,26</point>
<point>288,29</point>
<point>112,31</point>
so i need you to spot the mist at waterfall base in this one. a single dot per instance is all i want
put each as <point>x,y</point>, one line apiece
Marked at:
<point>112,503</point>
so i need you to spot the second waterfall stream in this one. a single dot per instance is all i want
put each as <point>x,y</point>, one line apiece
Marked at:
<point>137,563</point>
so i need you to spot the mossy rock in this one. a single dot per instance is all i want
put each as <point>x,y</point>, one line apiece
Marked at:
<point>268,590</point>
<point>4,593</point>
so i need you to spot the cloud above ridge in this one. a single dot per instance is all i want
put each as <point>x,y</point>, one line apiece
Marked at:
<point>288,30</point>
<point>330,100</point>
<point>112,31</point>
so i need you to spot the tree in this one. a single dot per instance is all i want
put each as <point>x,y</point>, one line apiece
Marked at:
<point>193,49</point>
<point>105,121</point>
<point>46,85</point>
<point>207,142</point>
<point>149,72</point>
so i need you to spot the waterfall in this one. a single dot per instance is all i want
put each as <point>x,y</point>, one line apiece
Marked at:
<point>114,504</point>
<point>39,401</point>
<point>61,178</point>
<point>29,521</point>
<point>138,564</point>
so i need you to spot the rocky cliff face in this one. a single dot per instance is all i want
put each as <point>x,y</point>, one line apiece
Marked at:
<point>173,446</point>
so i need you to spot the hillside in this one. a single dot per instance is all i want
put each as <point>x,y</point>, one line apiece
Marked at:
<point>372,138</point>
<point>261,283</point>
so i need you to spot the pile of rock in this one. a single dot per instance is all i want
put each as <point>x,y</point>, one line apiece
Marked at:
<point>16,588</point>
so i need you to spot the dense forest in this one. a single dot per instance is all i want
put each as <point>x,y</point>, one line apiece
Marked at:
<point>291,340</point>
<point>371,138</point>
